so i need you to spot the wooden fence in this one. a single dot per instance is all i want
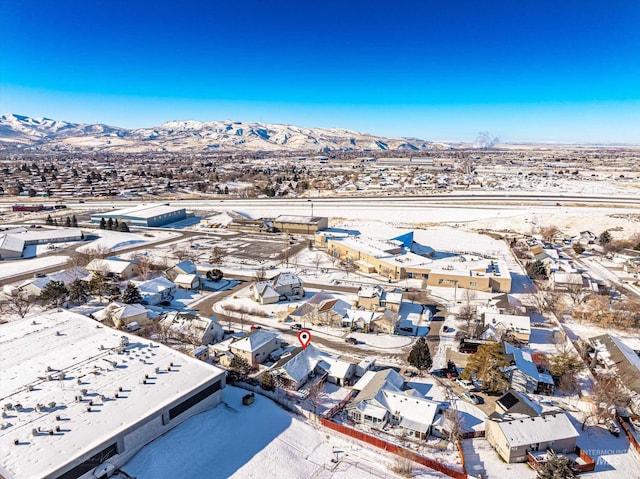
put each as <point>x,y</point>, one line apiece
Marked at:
<point>394,449</point>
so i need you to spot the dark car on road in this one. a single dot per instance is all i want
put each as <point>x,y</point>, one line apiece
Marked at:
<point>296,326</point>
<point>351,340</point>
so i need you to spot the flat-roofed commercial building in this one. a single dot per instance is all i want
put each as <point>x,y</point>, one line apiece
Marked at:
<point>80,399</point>
<point>301,224</point>
<point>144,215</point>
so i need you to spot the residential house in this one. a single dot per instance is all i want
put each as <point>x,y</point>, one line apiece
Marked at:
<point>371,321</point>
<point>294,369</point>
<point>157,290</point>
<point>201,353</point>
<point>285,286</point>
<point>187,281</point>
<point>513,439</point>
<point>375,297</point>
<point>123,314</point>
<point>256,346</point>
<point>609,355</point>
<point>523,374</point>
<point>34,286</point>
<point>515,405</point>
<point>183,267</point>
<point>193,328</point>
<point>120,269</point>
<point>517,326</point>
<point>381,402</point>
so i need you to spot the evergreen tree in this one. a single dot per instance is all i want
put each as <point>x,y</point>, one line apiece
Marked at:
<point>420,356</point>
<point>78,291</point>
<point>605,238</point>
<point>54,294</point>
<point>115,225</point>
<point>557,467</point>
<point>103,224</point>
<point>74,221</point>
<point>537,270</point>
<point>67,222</point>
<point>123,227</point>
<point>55,222</point>
<point>487,365</point>
<point>131,295</point>
<point>49,220</point>
<point>110,224</point>
<point>267,382</point>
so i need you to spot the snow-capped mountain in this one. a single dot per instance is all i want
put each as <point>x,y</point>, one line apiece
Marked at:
<point>24,133</point>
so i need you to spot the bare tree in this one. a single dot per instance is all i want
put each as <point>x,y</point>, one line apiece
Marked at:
<point>143,265</point>
<point>454,423</point>
<point>577,293</point>
<point>216,255</point>
<point>315,395</point>
<point>317,261</point>
<point>260,274</point>
<point>19,304</point>
<point>608,394</point>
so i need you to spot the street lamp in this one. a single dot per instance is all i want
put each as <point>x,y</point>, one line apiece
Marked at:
<point>311,201</point>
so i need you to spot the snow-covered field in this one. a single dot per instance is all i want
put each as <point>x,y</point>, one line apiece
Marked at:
<point>258,441</point>
<point>115,240</point>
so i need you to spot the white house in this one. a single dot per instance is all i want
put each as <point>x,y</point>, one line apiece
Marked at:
<point>192,326</point>
<point>256,346</point>
<point>123,314</point>
<point>294,369</point>
<point>513,439</point>
<point>121,269</point>
<point>518,326</point>
<point>381,400</point>
<point>285,286</point>
<point>187,281</point>
<point>156,290</point>
<point>183,267</point>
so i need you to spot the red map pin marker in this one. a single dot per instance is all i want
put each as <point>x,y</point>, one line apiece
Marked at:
<point>304,337</point>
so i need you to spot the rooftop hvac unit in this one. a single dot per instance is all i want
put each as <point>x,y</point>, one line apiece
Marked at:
<point>52,404</point>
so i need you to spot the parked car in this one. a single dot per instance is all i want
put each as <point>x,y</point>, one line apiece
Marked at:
<point>254,327</point>
<point>611,426</point>
<point>351,340</point>
<point>39,275</point>
<point>468,385</point>
<point>472,398</point>
<point>296,326</point>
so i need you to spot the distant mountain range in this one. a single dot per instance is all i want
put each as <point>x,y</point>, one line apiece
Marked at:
<point>22,133</point>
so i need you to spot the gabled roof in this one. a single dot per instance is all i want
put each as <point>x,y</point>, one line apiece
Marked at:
<point>254,340</point>
<point>285,279</point>
<point>514,401</point>
<point>616,354</point>
<point>156,285</point>
<point>185,278</point>
<point>265,290</point>
<point>526,431</point>
<point>115,266</point>
<point>510,322</point>
<point>524,363</point>
<point>186,267</point>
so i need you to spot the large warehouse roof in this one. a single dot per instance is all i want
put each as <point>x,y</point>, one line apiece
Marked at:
<point>142,211</point>
<point>55,363</point>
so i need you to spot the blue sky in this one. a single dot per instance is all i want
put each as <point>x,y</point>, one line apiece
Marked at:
<point>531,70</point>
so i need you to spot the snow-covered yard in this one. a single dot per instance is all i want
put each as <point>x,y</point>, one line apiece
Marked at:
<point>258,441</point>
<point>115,240</point>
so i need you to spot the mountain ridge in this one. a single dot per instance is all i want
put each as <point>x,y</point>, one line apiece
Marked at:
<point>23,133</point>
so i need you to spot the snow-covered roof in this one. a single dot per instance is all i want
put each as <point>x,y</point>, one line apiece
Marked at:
<point>532,430</point>
<point>356,315</point>
<point>298,219</point>
<point>156,285</point>
<point>143,211</point>
<point>115,266</point>
<point>303,362</point>
<point>186,266</point>
<point>187,323</point>
<point>185,278</point>
<point>284,279</point>
<point>50,344</point>
<point>265,290</point>
<point>46,234</point>
<point>519,324</point>
<point>11,243</point>
<point>254,340</point>
<point>120,311</point>
<point>615,354</point>
<point>525,364</point>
